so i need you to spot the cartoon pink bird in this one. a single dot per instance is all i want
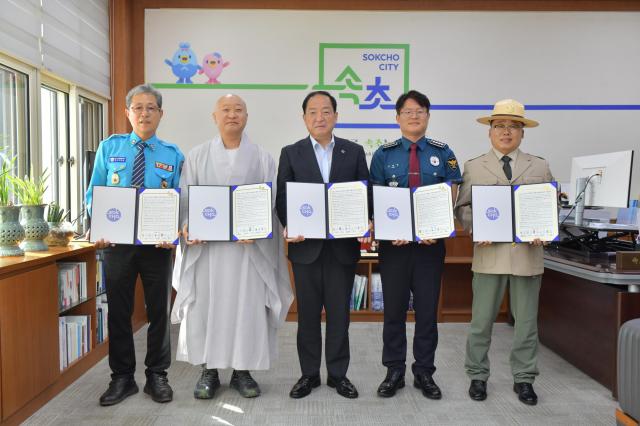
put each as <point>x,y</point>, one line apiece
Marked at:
<point>212,66</point>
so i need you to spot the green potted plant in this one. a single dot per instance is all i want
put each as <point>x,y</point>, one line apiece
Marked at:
<point>30,191</point>
<point>11,232</point>
<point>60,230</point>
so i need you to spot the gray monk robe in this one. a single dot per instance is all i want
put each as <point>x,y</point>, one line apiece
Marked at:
<point>231,297</point>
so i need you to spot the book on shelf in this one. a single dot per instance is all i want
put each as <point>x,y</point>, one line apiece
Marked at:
<point>358,294</point>
<point>100,280</point>
<point>74,332</point>
<point>102,315</point>
<point>72,283</point>
<point>377,303</point>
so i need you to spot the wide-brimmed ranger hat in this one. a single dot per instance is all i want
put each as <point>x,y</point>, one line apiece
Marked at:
<point>508,109</point>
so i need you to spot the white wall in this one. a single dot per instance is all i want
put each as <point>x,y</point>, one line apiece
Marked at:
<point>456,58</point>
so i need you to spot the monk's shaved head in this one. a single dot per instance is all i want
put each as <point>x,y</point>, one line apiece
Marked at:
<point>229,98</point>
<point>230,115</point>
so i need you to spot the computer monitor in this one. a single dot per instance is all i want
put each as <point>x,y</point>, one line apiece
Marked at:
<point>610,181</point>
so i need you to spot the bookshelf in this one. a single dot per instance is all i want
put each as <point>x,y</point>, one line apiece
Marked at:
<point>456,294</point>
<point>30,372</point>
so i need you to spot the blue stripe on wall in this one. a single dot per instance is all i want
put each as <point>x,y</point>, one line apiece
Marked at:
<point>542,107</point>
<point>490,107</point>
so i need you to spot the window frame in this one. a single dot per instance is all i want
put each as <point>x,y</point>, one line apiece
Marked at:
<point>27,154</point>
<point>30,161</point>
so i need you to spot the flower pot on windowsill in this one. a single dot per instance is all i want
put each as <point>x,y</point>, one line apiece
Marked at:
<point>35,228</point>
<point>11,232</point>
<point>60,234</point>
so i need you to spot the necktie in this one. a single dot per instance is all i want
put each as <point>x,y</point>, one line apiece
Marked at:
<point>506,167</point>
<point>414,167</point>
<point>138,166</point>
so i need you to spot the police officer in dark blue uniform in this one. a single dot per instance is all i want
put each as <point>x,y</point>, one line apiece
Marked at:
<point>405,266</point>
<point>137,159</point>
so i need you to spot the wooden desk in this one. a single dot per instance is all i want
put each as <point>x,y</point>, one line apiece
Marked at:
<point>582,306</point>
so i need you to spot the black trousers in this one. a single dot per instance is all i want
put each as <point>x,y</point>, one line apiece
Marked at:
<point>417,269</point>
<point>122,264</point>
<point>325,282</point>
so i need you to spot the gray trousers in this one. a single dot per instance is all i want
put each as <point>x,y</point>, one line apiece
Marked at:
<point>488,292</point>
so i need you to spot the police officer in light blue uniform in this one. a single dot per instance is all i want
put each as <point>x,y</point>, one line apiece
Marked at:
<point>410,267</point>
<point>137,159</point>
<point>115,157</point>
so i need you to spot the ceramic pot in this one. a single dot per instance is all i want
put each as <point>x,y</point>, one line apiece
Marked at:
<point>11,232</point>
<point>35,228</point>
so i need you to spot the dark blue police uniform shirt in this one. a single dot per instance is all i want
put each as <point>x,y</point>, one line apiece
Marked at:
<point>390,163</point>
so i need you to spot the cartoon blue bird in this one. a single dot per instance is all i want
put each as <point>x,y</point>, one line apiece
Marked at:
<point>184,64</point>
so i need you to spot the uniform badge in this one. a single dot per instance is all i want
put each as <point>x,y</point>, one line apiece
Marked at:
<point>163,166</point>
<point>164,184</point>
<point>115,178</point>
<point>453,163</point>
<point>393,182</point>
<point>435,161</point>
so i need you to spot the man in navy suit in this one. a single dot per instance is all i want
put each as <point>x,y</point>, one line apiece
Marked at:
<point>323,270</point>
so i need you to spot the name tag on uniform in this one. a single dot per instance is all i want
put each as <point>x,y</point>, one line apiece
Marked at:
<point>167,167</point>
<point>117,159</point>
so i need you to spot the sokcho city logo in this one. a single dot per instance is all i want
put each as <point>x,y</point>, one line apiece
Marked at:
<point>368,76</point>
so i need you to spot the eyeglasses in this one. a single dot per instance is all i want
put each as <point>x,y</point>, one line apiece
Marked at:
<point>138,109</point>
<point>414,112</point>
<point>510,127</point>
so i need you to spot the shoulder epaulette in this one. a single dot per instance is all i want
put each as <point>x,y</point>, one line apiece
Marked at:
<point>169,144</point>
<point>117,135</point>
<point>475,158</point>
<point>436,143</point>
<point>391,144</point>
<point>540,157</point>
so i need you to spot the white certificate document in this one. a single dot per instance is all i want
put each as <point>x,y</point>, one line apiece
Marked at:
<point>492,213</point>
<point>113,214</point>
<point>209,213</point>
<point>158,214</point>
<point>535,209</point>
<point>348,210</point>
<point>392,213</point>
<point>433,212</point>
<point>251,211</point>
<point>306,214</point>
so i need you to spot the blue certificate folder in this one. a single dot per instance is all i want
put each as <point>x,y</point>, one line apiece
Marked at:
<point>515,213</point>
<point>116,216</point>
<point>397,210</point>
<point>321,210</point>
<point>230,213</point>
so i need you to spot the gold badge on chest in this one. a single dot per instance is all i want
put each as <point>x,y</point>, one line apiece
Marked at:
<point>115,179</point>
<point>164,184</point>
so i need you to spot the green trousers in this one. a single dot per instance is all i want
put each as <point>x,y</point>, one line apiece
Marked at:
<point>488,292</point>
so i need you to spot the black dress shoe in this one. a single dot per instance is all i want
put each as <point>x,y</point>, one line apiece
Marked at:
<point>478,390</point>
<point>242,381</point>
<point>304,385</point>
<point>343,386</point>
<point>425,383</point>
<point>208,383</point>
<point>118,390</point>
<point>391,383</point>
<point>525,393</point>
<point>158,387</point>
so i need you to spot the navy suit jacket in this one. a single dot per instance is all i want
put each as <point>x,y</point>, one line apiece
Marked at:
<point>298,164</point>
